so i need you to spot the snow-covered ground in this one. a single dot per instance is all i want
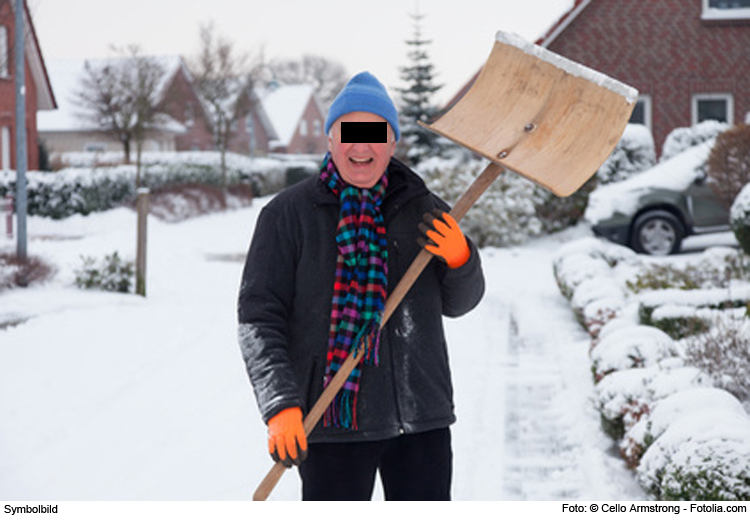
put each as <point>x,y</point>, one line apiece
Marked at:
<point>116,397</point>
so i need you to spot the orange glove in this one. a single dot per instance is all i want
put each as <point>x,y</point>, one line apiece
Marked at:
<point>286,437</point>
<point>446,240</point>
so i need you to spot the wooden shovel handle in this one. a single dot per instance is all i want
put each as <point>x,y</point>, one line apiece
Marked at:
<point>420,262</point>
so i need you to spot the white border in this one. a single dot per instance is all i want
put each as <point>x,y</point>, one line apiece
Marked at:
<point>713,13</point>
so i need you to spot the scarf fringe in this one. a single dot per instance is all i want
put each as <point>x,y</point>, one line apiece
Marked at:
<point>342,413</point>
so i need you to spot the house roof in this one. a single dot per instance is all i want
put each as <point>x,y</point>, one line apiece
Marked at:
<point>65,76</point>
<point>284,107</point>
<point>562,23</point>
<point>32,50</point>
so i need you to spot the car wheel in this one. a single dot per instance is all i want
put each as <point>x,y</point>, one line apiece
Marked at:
<point>657,233</point>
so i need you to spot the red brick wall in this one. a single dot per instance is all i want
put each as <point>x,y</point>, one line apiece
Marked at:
<point>8,97</point>
<point>665,50</point>
<point>314,142</point>
<point>178,98</point>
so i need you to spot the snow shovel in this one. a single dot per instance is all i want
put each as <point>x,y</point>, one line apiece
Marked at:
<point>540,115</point>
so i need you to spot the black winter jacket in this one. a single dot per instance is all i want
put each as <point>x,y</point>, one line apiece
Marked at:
<point>285,303</point>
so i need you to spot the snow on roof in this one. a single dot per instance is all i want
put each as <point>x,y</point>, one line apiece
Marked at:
<point>563,22</point>
<point>66,75</point>
<point>284,107</point>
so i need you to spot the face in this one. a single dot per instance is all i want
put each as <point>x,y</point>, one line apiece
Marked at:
<point>360,164</point>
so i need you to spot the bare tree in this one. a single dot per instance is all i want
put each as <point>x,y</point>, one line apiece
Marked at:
<point>326,76</point>
<point>223,81</point>
<point>121,97</point>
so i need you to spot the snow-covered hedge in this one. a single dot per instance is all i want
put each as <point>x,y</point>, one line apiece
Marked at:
<point>685,438</point>
<point>630,347</point>
<point>703,455</point>
<point>627,396</point>
<point>504,215</point>
<point>634,153</point>
<point>90,186</point>
<point>587,273</point>
<point>683,138</point>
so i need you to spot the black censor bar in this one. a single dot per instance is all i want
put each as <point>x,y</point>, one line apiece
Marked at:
<point>364,132</point>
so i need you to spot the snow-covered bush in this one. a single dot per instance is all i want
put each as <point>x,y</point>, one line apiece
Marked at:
<point>15,272</point>
<point>649,389</point>
<point>113,274</point>
<point>665,308</point>
<point>177,202</point>
<point>625,396</point>
<point>631,347</point>
<point>683,138</point>
<point>739,218</point>
<point>634,153</point>
<point>702,456</point>
<point>681,298</point>
<point>723,351</point>
<point>640,436</point>
<point>714,268</point>
<point>585,274</point>
<point>505,214</point>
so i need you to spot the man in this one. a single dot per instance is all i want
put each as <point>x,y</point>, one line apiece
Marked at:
<point>324,255</point>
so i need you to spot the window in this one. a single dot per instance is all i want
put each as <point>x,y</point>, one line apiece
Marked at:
<point>5,148</point>
<point>642,111</point>
<point>4,57</point>
<point>718,107</point>
<point>726,9</point>
<point>317,128</point>
<point>94,147</point>
<point>189,114</point>
<point>303,128</point>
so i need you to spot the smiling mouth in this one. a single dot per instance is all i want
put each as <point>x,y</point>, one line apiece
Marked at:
<point>360,161</point>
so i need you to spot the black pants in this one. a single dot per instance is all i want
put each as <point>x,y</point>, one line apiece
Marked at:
<point>414,467</point>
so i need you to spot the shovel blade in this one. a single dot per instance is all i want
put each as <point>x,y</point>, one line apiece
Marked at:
<point>540,115</point>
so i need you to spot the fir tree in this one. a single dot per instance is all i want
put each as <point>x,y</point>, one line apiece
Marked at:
<point>416,97</point>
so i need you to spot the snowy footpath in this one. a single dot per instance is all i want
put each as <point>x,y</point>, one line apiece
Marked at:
<point>527,426</point>
<point>114,397</point>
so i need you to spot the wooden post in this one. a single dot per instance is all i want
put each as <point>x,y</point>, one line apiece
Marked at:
<point>140,259</point>
<point>9,216</point>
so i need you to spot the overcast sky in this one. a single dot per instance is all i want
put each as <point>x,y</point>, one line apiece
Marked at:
<point>360,35</point>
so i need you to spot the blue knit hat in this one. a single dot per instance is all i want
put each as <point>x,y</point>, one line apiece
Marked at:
<point>364,93</point>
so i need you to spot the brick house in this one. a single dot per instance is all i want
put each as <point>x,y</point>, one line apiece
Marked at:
<point>181,101</point>
<point>186,129</point>
<point>39,95</point>
<point>66,130</point>
<point>298,118</point>
<point>252,133</point>
<point>689,59</point>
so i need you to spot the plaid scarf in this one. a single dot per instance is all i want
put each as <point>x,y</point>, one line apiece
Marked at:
<point>359,289</point>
